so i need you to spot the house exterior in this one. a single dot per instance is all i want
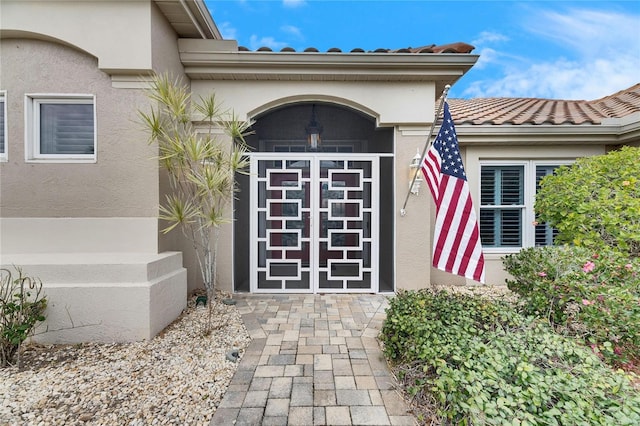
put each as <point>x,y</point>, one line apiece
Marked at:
<point>79,185</point>
<point>511,143</point>
<point>334,135</point>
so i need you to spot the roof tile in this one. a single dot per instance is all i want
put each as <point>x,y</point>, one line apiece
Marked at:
<point>458,47</point>
<point>538,111</point>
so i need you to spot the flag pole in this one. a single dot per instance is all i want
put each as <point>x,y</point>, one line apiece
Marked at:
<point>443,98</point>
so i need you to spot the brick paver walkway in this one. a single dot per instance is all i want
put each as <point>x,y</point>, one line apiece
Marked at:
<point>314,360</point>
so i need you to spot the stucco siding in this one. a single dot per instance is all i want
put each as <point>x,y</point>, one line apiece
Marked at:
<point>167,60</point>
<point>413,233</point>
<point>124,180</point>
<point>114,297</point>
<point>164,41</point>
<point>78,235</point>
<point>390,102</point>
<point>115,32</point>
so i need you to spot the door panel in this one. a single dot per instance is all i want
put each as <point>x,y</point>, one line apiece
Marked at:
<point>315,225</point>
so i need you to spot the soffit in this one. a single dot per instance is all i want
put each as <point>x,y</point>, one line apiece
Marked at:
<point>189,18</point>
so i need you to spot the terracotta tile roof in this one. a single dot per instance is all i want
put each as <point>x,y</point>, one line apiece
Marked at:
<point>458,47</point>
<point>545,111</point>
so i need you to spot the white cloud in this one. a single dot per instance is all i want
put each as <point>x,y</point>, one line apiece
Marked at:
<point>256,42</point>
<point>492,57</point>
<point>589,32</point>
<point>294,31</point>
<point>228,31</point>
<point>489,37</point>
<point>293,3</point>
<point>601,57</point>
<point>561,79</point>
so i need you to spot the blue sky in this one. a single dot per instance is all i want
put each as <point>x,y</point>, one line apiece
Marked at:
<point>547,49</point>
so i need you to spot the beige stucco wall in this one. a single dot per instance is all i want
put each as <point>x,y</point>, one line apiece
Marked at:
<point>90,231</point>
<point>167,60</point>
<point>164,46</point>
<point>122,182</point>
<point>390,102</point>
<point>118,33</point>
<point>413,233</point>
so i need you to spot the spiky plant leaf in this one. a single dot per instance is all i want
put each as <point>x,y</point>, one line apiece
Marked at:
<point>200,167</point>
<point>177,212</point>
<point>216,218</point>
<point>236,128</point>
<point>209,107</point>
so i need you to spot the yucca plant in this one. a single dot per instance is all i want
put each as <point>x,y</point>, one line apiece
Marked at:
<point>22,307</point>
<point>201,165</point>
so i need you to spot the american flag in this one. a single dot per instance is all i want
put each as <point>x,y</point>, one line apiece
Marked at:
<point>456,243</point>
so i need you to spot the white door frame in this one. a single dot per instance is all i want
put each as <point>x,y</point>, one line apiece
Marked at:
<point>315,160</point>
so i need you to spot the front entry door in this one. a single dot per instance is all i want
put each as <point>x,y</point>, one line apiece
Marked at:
<point>314,223</point>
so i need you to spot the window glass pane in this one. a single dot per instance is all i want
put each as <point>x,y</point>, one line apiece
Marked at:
<point>544,235</point>
<point>2,121</point>
<point>66,128</point>
<point>487,186</point>
<point>501,187</point>
<point>511,190</point>
<point>487,227</point>
<point>501,227</point>
<point>510,227</point>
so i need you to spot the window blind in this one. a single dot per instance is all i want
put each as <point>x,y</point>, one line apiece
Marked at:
<point>66,128</point>
<point>501,205</point>
<point>545,234</point>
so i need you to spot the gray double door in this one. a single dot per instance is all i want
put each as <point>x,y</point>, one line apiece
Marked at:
<point>314,223</point>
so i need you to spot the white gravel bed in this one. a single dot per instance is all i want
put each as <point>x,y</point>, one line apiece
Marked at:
<point>179,377</point>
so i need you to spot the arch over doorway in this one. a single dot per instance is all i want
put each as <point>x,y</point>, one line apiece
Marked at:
<point>327,212</point>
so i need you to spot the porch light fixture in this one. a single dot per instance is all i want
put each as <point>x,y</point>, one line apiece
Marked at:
<point>314,129</point>
<point>414,170</point>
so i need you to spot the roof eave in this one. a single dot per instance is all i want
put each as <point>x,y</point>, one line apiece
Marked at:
<point>189,18</point>
<point>201,13</point>
<point>513,135</point>
<point>203,62</point>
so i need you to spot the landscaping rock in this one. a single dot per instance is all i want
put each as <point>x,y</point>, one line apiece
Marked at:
<point>179,377</point>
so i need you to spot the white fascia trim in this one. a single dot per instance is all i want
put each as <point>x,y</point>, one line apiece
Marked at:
<point>200,17</point>
<point>126,81</point>
<point>200,58</point>
<point>418,130</point>
<point>538,134</point>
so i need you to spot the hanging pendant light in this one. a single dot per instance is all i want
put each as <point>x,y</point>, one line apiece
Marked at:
<point>314,129</point>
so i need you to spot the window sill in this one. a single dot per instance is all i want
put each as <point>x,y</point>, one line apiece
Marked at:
<point>62,160</point>
<point>497,254</point>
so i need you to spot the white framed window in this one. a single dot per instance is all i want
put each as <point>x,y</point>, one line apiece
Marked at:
<point>60,128</point>
<point>507,197</point>
<point>3,125</point>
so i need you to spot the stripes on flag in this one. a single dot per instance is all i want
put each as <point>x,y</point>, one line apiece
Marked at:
<point>456,244</point>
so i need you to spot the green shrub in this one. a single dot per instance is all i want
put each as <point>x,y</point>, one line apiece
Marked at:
<point>593,296</point>
<point>481,362</point>
<point>22,306</point>
<point>595,202</point>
